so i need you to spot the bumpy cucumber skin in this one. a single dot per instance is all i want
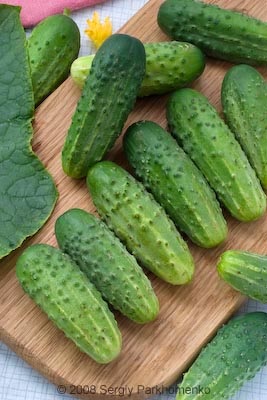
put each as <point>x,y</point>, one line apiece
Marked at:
<point>70,300</point>
<point>244,100</point>
<point>169,66</point>
<point>216,152</point>
<point>53,46</point>
<point>219,33</point>
<point>237,352</point>
<point>245,272</point>
<point>107,99</point>
<point>176,183</point>
<point>141,223</point>
<point>107,264</point>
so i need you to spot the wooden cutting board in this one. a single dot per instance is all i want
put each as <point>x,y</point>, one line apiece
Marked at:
<point>155,354</point>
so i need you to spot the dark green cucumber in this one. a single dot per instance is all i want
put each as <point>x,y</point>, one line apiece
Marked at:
<point>220,33</point>
<point>107,99</point>
<point>70,300</point>
<point>107,264</point>
<point>176,183</point>
<point>244,100</point>
<point>141,223</point>
<point>245,272</point>
<point>237,352</point>
<point>169,66</point>
<point>214,149</point>
<point>53,46</point>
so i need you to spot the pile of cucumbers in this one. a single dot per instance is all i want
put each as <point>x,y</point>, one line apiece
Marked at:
<point>182,179</point>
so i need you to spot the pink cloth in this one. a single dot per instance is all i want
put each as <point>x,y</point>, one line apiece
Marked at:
<point>33,11</point>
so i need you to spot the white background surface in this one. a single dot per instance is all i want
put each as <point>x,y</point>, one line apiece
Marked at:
<point>18,381</point>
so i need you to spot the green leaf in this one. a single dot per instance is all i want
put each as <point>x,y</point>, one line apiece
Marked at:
<point>27,191</point>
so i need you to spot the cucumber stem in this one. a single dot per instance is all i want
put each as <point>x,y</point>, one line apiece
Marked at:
<point>67,12</point>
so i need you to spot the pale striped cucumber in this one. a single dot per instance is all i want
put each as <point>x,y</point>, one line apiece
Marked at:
<point>70,300</point>
<point>107,264</point>
<point>176,183</point>
<point>214,149</point>
<point>140,223</point>
<point>245,272</point>
<point>169,66</point>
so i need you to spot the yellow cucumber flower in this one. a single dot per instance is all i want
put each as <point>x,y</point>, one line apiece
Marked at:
<point>98,32</point>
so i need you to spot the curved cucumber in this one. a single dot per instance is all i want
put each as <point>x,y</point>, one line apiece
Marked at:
<point>53,45</point>
<point>220,33</point>
<point>214,149</point>
<point>169,66</point>
<point>107,99</point>
<point>246,272</point>
<point>106,262</point>
<point>70,300</point>
<point>176,183</point>
<point>140,223</point>
<point>237,352</point>
<point>244,100</point>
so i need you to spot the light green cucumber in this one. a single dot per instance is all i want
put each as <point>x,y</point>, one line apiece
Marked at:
<point>70,300</point>
<point>53,45</point>
<point>169,66</point>
<point>245,272</point>
<point>235,355</point>
<point>107,264</point>
<point>214,149</point>
<point>140,223</point>
<point>176,183</point>
<point>107,99</point>
<point>244,100</point>
<point>220,33</point>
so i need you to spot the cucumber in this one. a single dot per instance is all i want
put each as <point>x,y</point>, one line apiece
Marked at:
<point>107,264</point>
<point>169,66</point>
<point>244,100</point>
<point>53,46</point>
<point>107,99</point>
<point>140,223</point>
<point>70,300</point>
<point>216,152</point>
<point>245,272</point>
<point>176,183</point>
<point>237,352</point>
<point>219,33</point>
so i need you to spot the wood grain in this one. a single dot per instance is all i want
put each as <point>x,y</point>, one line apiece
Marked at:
<point>155,354</point>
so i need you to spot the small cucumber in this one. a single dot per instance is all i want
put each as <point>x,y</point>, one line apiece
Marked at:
<point>169,66</point>
<point>216,152</point>
<point>107,264</point>
<point>70,300</point>
<point>176,183</point>
<point>244,100</point>
<point>220,33</point>
<point>235,355</point>
<point>53,46</point>
<point>107,99</point>
<point>140,223</point>
<point>245,272</point>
